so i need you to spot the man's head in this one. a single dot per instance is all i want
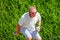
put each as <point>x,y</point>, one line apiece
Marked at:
<point>32,11</point>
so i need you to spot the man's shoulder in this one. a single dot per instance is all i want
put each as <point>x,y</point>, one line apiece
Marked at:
<point>38,13</point>
<point>25,14</point>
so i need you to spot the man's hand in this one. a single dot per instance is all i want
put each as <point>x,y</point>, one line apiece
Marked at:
<point>17,29</point>
<point>15,33</point>
<point>38,28</point>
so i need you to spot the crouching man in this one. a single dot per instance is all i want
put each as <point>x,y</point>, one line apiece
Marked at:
<point>27,22</point>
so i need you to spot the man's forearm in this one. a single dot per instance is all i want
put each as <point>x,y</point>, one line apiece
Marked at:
<point>39,23</point>
<point>18,28</point>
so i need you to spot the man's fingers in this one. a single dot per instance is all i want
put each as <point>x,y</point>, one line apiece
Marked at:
<point>15,33</point>
<point>37,29</point>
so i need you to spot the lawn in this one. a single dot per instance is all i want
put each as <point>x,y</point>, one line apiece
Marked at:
<point>12,10</point>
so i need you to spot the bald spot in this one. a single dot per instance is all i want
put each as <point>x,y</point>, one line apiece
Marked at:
<point>32,9</point>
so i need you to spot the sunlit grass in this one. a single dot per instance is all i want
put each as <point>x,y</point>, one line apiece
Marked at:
<point>12,10</point>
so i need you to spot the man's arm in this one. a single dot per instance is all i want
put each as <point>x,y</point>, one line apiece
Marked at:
<point>18,27</point>
<point>39,23</point>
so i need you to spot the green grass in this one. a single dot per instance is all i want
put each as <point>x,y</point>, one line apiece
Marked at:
<point>12,10</point>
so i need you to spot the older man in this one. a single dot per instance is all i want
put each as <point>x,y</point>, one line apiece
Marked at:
<point>26,24</point>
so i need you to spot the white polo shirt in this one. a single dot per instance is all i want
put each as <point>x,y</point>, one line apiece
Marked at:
<point>28,22</point>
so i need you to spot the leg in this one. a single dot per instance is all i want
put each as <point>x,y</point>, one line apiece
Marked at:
<point>38,39</point>
<point>26,33</point>
<point>29,38</point>
<point>36,35</point>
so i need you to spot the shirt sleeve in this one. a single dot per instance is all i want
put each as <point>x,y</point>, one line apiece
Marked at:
<point>21,20</point>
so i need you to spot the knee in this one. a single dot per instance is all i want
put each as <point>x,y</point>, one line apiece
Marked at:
<point>38,38</point>
<point>29,38</point>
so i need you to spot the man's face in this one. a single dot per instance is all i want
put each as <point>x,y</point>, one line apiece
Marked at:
<point>32,12</point>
